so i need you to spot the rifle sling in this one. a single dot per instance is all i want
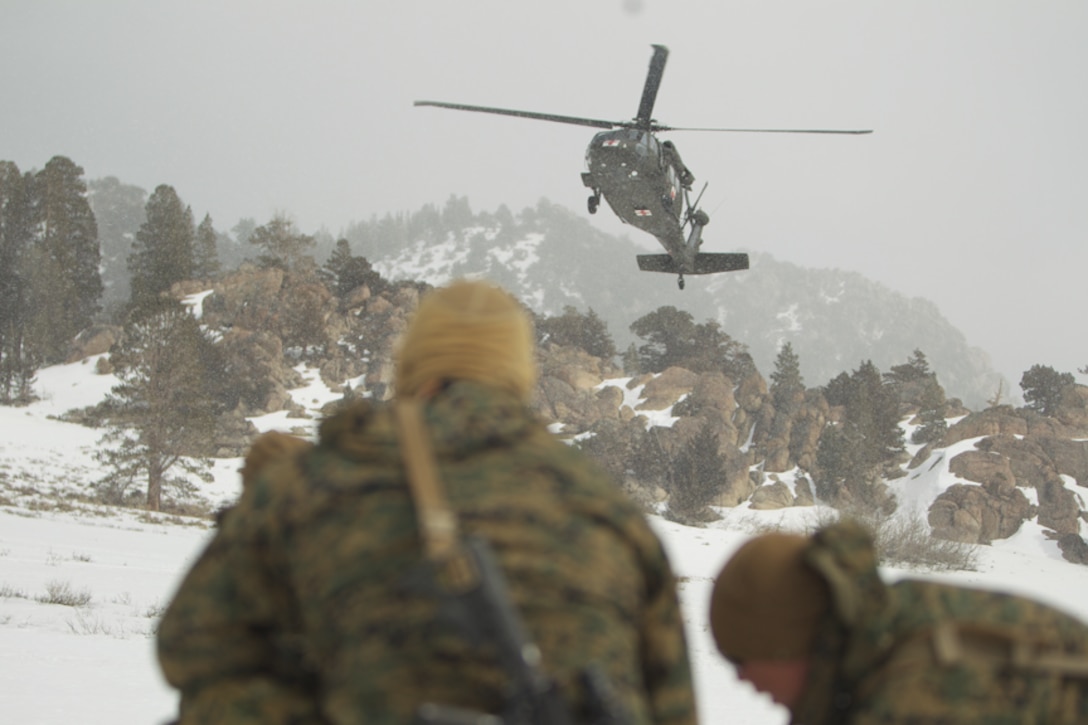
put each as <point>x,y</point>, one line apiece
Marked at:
<point>437,522</point>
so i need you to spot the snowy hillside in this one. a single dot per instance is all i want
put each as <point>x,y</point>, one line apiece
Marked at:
<point>81,586</point>
<point>549,258</point>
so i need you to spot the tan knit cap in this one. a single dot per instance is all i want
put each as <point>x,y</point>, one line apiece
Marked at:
<point>468,331</point>
<point>767,603</point>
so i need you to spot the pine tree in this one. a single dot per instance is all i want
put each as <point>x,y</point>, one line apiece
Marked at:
<point>119,211</point>
<point>1044,387</point>
<point>584,331</point>
<point>161,413</point>
<point>916,368</point>
<point>335,264</point>
<point>281,242</point>
<point>205,252</point>
<point>934,425</point>
<point>695,475</point>
<point>673,339</point>
<point>850,454</point>
<point>786,380</point>
<point>17,365</point>
<point>631,360</point>
<point>163,252</point>
<point>65,283</point>
<point>344,273</point>
<point>669,336</point>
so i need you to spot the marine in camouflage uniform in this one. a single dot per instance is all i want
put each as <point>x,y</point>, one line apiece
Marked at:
<point>913,652</point>
<point>306,607</point>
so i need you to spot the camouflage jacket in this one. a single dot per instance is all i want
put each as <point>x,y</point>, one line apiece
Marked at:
<point>919,652</point>
<point>302,608</point>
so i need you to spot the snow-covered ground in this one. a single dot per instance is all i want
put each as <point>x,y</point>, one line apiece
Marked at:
<point>92,660</point>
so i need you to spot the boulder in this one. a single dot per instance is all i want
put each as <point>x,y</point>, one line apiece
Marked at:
<point>977,514</point>
<point>664,390</point>
<point>1069,457</point>
<point>776,495</point>
<point>1059,508</point>
<point>804,495</point>
<point>95,340</point>
<point>1074,549</point>
<point>983,467</point>
<point>990,422</point>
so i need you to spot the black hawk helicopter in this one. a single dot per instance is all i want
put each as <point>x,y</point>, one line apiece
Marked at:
<point>644,181</point>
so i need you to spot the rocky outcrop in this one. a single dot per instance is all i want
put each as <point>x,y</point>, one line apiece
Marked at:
<point>1060,509</point>
<point>1074,549</point>
<point>983,467</point>
<point>977,514</point>
<point>785,439</point>
<point>775,495</point>
<point>95,340</point>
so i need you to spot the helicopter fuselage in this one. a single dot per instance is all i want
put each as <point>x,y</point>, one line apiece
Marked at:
<point>642,179</point>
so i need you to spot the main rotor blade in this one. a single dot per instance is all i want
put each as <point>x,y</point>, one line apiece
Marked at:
<point>595,123</point>
<point>764,130</point>
<point>653,82</point>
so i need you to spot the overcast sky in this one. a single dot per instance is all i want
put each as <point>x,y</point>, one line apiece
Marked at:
<point>971,192</point>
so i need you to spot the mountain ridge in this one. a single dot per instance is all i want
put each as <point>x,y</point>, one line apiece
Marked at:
<point>550,258</point>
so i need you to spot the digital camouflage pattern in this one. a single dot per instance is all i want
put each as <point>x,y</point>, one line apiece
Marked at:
<point>918,652</point>
<point>305,608</point>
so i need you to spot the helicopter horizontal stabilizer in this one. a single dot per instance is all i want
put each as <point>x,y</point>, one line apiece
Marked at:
<point>711,262</point>
<point>705,263</point>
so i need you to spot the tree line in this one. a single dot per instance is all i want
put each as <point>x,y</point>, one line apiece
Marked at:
<point>177,378</point>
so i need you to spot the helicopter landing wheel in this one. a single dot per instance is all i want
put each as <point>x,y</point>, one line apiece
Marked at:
<point>680,281</point>
<point>592,203</point>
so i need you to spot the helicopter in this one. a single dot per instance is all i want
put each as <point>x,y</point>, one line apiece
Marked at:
<point>644,180</point>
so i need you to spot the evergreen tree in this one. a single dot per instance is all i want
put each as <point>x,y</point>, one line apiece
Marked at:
<point>934,425</point>
<point>695,475</point>
<point>119,211</point>
<point>337,261</point>
<point>584,331</point>
<point>873,408</point>
<point>1044,387</point>
<point>163,252</point>
<point>457,214</point>
<point>345,273</point>
<point>673,339</point>
<point>162,412</point>
<point>786,380</point>
<point>915,369</point>
<point>631,361</point>
<point>65,283</point>
<point>851,454</point>
<point>281,242</point>
<point>205,252</point>
<point>17,364</point>
<point>669,338</point>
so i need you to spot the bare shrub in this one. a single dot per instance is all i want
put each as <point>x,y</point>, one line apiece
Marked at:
<point>86,624</point>
<point>9,592</point>
<point>905,540</point>
<point>61,592</point>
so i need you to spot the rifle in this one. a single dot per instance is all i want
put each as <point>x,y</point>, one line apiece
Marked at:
<point>472,592</point>
<point>463,573</point>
